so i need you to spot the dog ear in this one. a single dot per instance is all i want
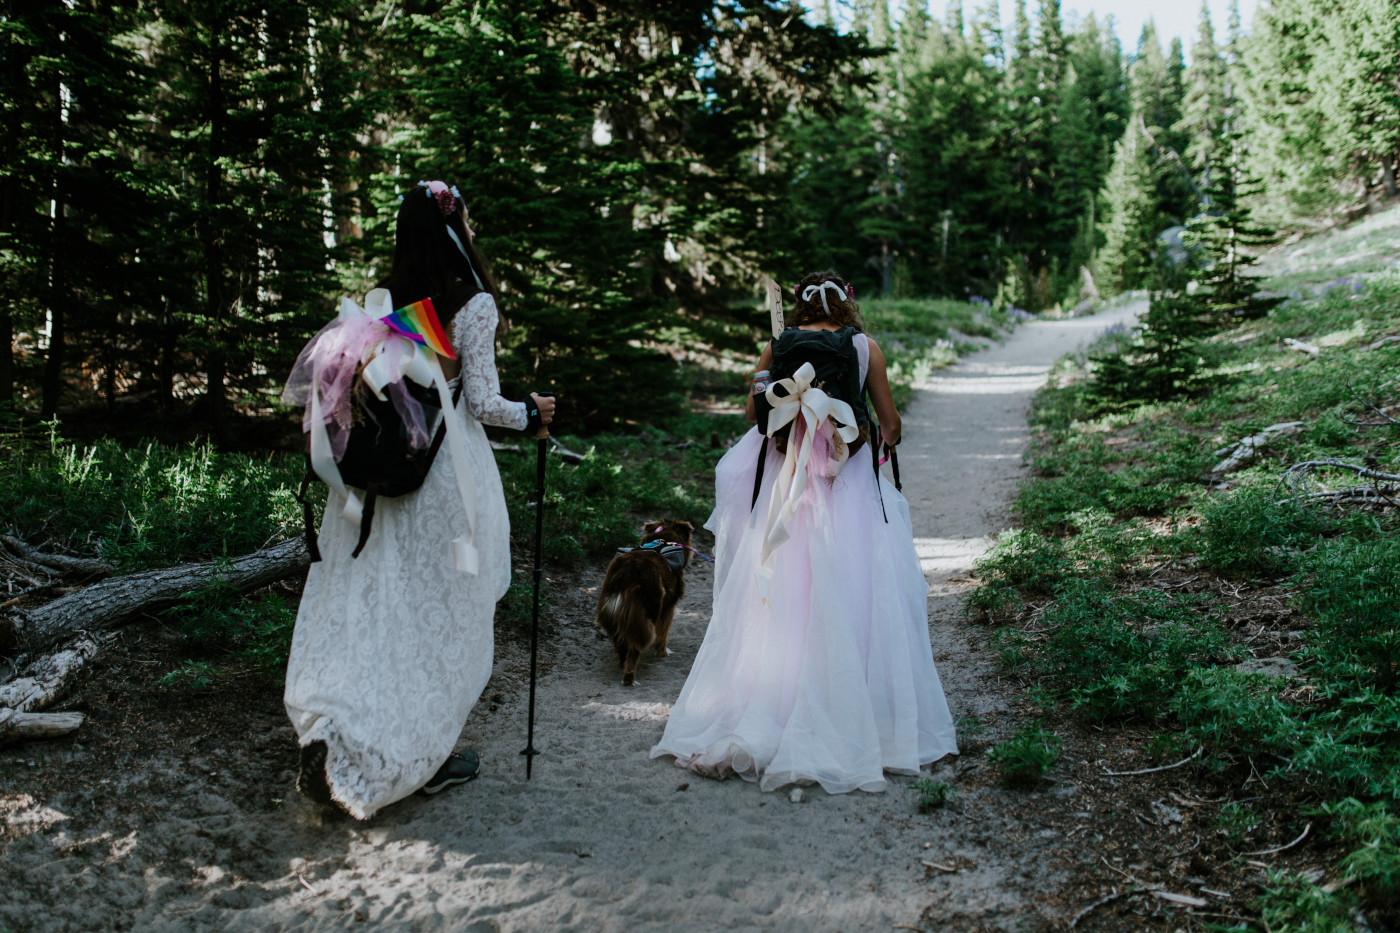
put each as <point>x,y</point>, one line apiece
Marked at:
<point>686,525</point>
<point>651,527</point>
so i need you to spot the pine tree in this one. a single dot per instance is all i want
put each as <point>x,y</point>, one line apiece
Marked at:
<point>1226,241</point>
<point>1358,91</point>
<point>1282,116</point>
<point>1132,218</point>
<point>1203,109</point>
<point>1164,361</point>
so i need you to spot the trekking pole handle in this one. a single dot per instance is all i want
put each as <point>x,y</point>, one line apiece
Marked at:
<point>542,433</point>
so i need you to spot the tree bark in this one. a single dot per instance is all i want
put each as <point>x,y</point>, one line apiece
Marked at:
<point>46,680</point>
<point>106,604</point>
<point>15,727</point>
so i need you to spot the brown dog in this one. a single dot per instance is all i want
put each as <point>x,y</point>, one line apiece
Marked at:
<point>640,592</point>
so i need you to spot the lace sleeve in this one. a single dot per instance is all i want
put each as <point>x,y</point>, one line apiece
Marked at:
<point>474,339</point>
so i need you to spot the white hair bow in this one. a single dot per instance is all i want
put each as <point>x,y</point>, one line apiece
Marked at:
<point>811,290</point>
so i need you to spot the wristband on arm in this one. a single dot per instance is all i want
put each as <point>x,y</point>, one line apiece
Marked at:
<point>533,420</point>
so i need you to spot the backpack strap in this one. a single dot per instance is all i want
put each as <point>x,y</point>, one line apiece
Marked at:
<point>464,551</point>
<point>758,471</point>
<point>308,515</point>
<point>366,518</point>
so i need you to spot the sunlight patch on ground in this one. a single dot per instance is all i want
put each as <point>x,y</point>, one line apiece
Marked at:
<point>988,379</point>
<point>949,555</point>
<point>633,711</point>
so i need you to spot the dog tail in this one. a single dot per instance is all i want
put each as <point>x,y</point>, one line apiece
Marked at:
<point>636,631</point>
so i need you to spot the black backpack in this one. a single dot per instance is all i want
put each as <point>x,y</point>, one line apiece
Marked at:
<point>832,354</point>
<point>378,457</point>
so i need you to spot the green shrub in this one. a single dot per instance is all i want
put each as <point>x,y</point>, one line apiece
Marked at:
<point>1249,534</point>
<point>1026,756</point>
<point>1352,589</point>
<point>1021,562</point>
<point>1123,654</point>
<point>932,794</point>
<point>1293,904</point>
<point>151,505</point>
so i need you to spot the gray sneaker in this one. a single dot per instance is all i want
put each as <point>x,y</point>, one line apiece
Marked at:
<point>459,768</point>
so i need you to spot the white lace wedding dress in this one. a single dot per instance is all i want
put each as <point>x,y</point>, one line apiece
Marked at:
<point>832,681</point>
<point>392,649</point>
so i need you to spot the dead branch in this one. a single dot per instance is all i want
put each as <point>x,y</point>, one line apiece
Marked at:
<point>1301,836</point>
<point>1297,479</point>
<point>1128,892</point>
<point>1386,420</point>
<point>48,678</point>
<point>1178,764</point>
<point>62,563</point>
<point>117,599</point>
<point>1248,448</point>
<point>560,450</point>
<point>16,726</point>
<point>1380,343</point>
<point>1301,347</point>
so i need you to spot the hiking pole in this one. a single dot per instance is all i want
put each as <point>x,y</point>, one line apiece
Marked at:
<point>894,465</point>
<point>542,441</point>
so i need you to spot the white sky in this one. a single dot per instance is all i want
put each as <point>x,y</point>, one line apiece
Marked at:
<point>1173,17</point>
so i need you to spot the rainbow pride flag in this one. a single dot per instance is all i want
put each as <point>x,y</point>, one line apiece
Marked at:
<point>419,323</point>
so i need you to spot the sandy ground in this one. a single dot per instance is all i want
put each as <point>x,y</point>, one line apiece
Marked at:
<point>604,838</point>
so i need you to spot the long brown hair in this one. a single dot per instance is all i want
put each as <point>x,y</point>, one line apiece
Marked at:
<point>844,310</point>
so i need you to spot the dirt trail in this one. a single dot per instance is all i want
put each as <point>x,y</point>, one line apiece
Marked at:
<point>604,838</point>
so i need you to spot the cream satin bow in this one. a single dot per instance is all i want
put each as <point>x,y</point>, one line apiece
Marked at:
<point>811,290</point>
<point>815,407</point>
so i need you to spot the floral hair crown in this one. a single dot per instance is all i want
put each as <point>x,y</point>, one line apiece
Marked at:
<point>447,198</point>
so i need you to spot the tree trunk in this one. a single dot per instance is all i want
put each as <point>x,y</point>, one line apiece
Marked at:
<point>7,354</point>
<point>106,604</point>
<point>52,386</point>
<point>1388,176</point>
<point>216,366</point>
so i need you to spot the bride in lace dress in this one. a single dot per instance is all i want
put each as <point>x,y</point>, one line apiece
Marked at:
<point>392,648</point>
<point>816,666</point>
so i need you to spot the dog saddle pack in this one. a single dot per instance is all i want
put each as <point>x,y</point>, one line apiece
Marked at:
<point>373,388</point>
<point>673,554</point>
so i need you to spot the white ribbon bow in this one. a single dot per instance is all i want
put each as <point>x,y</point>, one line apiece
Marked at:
<point>388,362</point>
<point>811,290</point>
<point>815,407</point>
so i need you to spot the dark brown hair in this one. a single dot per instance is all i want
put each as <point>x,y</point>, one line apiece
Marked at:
<point>844,311</point>
<point>427,264</point>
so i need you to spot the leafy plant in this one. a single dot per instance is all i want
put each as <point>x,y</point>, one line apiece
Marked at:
<point>1026,756</point>
<point>193,675</point>
<point>932,794</point>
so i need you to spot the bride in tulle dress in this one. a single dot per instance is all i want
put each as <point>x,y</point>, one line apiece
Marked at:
<point>830,678</point>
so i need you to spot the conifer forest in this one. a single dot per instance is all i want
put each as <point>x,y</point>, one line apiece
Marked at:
<point>188,186</point>
<point>1138,302</point>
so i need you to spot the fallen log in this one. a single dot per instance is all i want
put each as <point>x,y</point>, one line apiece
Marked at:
<point>16,726</point>
<point>46,680</point>
<point>117,599</point>
<point>62,563</point>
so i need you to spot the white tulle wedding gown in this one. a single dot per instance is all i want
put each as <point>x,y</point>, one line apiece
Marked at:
<point>832,680</point>
<point>392,649</point>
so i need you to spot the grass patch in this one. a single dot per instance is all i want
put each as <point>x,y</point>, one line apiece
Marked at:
<point>151,505</point>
